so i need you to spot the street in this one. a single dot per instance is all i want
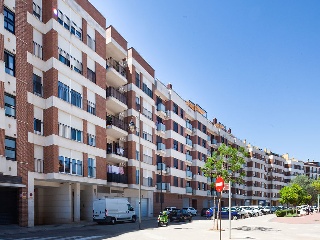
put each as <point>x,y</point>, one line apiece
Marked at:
<point>263,227</point>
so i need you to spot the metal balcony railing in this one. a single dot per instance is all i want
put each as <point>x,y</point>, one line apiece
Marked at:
<point>112,92</point>
<point>112,120</point>
<point>114,149</point>
<point>118,178</point>
<point>116,66</point>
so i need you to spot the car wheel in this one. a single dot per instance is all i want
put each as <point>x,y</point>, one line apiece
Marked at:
<point>113,221</point>
<point>134,219</point>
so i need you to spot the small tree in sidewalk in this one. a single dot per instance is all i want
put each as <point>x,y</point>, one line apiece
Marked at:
<point>227,162</point>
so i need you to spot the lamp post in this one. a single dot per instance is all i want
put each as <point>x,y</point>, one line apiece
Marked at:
<point>133,128</point>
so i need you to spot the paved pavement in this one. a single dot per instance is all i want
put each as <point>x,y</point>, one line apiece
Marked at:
<point>263,228</point>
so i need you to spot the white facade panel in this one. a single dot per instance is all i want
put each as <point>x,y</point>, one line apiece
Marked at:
<point>91,96</point>
<point>37,37</point>
<point>76,155</point>
<point>38,113</point>
<point>76,123</point>
<point>76,53</point>
<point>64,118</point>
<point>91,128</point>
<point>91,31</point>
<point>38,72</point>
<point>10,4</point>
<point>11,127</point>
<point>63,44</point>
<point>38,2</point>
<point>10,84</point>
<point>91,64</point>
<point>76,18</point>
<point>38,152</point>
<point>76,86</point>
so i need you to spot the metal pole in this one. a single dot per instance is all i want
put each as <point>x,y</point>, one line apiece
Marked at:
<point>161,189</point>
<point>318,201</point>
<point>220,212</point>
<point>139,176</point>
<point>229,209</point>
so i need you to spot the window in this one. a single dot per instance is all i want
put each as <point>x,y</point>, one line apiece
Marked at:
<point>66,23</point>
<point>181,182</point>
<point>147,90</point>
<point>91,43</point>
<point>9,105</point>
<point>76,98</point>
<point>91,75</point>
<point>64,59</point>
<point>91,107</point>
<point>181,147</point>
<point>9,60</point>
<point>36,11</point>
<point>175,127</point>
<point>8,20</point>
<point>10,148</point>
<point>204,128</point>
<point>175,181</point>
<point>76,135</point>
<point>175,108</point>
<point>66,165</point>
<point>63,91</point>
<point>204,143</point>
<point>91,167</point>
<point>181,165</point>
<point>91,140</point>
<point>175,163</point>
<point>181,113</point>
<point>37,126</point>
<point>138,80</point>
<point>175,145</point>
<point>181,130</point>
<point>37,85</point>
<point>199,125</point>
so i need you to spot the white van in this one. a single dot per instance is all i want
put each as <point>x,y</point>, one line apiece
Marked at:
<point>112,210</point>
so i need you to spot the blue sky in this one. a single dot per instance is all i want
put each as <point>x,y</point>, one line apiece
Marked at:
<point>254,65</point>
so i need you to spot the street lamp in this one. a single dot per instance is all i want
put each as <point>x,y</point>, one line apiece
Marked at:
<point>133,128</point>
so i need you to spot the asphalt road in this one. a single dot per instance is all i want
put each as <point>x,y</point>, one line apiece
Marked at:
<point>262,228</point>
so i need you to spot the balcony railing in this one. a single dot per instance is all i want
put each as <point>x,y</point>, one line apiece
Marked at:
<point>138,107</point>
<point>161,127</point>
<point>161,147</point>
<point>113,149</point>
<point>189,157</point>
<point>147,113</point>
<point>147,182</point>
<point>116,66</point>
<point>163,186</point>
<point>112,92</point>
<point>189,126</point>
<point>188,142</point>
<point>214,141</point>
<point>118,178</point>
<point>112,120</point>
<point>161,107</point>
<point>188,189</point>
<point>189,174</point>
<point>147,159</point>
<point>161,166</point>
<point>37,50</point>
<point>147,136</point>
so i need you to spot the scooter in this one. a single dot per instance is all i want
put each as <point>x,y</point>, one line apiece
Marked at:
<point>163,219</point>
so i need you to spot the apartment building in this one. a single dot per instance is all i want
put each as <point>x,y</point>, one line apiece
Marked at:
<point>312,169</point>
<point>82,116</point>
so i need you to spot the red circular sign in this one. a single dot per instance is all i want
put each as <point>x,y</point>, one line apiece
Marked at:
<point>219,184</point>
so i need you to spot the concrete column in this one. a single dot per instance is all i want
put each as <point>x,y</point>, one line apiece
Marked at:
<point>76,201</point>
<point>88,194</point>
<point>30,199</point>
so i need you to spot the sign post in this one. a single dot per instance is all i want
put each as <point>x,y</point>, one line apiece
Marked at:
<point>219,188</point>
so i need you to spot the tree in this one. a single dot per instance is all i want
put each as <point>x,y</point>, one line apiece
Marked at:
<point>316,185</point>
<point>227,163</point>
<point>306,184</point>
<point>294,194</point>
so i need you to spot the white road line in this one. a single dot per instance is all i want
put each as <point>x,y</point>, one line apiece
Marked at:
<point>87,238</point>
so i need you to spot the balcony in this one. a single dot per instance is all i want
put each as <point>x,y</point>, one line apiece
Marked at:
<point>116,154</point>
<point>161,128</point>
<point>188,126</point>
<point>116,45</point>
<point>189,190</point>
<point>161,110</point>
<point>116,127</point>
<point>147,113</point>
<point>214,141</point>
<point>188,174</point>
<point>162,168</point>
<point>116,73</point>
<point>161,149</point>
<point>189,142</point>
<point>163,187</point>
<point>117,178</point>
<point>116,101</point>
<point>147,159</point>
<point>189,158</point>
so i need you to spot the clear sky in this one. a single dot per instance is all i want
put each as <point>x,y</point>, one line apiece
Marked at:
<point>254,65</point>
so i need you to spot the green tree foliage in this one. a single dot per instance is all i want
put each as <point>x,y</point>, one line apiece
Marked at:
<point>316,185</point>
<point>228,163</point>
<point>307,185</point>
<point>289,195</point>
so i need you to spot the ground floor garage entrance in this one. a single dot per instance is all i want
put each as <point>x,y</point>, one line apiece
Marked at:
<point>9,205</point>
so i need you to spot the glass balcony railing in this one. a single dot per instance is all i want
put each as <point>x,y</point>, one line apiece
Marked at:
<point>163,186</point>
<point>188,142</point>
<point>214,141</point>
<point>161,127</point>
<point>188,189</point>
<point>161,166</point>
<point>189,174</point>
<point>161,147</point>
<point>188,125</point>
<point>188,157</point>
<point>161,107</point>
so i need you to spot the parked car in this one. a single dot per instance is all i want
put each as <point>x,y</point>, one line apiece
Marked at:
<point>273,209</point>
<point>191,210</point>
<point>243,214</point>
<point>248,210</point>
<point>266,210</point>
<point>224,213</point>
<point>257,211</point>
<point>180,215</point>
<point>209,212</point>
<point>203,211</point>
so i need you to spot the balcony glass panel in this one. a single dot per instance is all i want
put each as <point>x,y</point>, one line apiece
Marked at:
<point>161,107</point>
<point>161,127</point>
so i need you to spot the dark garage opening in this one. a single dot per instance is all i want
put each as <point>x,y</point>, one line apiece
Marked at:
<point>8,205</point>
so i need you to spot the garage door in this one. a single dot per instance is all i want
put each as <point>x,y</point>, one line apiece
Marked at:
<point>144,207</point>
<point>8,206</point>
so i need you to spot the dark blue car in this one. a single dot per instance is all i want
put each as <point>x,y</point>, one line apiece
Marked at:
<point>224,213</point>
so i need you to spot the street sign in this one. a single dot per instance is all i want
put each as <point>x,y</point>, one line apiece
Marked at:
<point>219,184</point>
<point>226,187</point>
